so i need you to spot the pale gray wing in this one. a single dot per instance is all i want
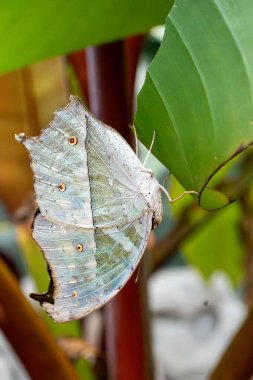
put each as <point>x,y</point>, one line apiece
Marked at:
<point>114,174</point>
<point>88,267</point>
<point>85,173</point>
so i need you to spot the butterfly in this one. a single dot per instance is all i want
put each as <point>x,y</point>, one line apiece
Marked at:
<point>97,207</point>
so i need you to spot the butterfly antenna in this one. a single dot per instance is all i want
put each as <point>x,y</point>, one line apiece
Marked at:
<point>150,149</point>
<point>135,139</point>
<point>180,196</point>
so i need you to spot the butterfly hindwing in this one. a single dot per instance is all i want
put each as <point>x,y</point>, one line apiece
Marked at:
<point>85,279</point>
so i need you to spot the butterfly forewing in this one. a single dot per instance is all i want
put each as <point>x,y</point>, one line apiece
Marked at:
<point>114,174</point>
<point>94,181</point>
<point>60,170</point>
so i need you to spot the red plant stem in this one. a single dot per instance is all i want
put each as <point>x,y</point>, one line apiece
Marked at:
<point>106,84</point>
<point>127,335</point>
<point>132,46</point>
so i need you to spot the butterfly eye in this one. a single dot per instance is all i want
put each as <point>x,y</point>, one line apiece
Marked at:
<point>79,247</point>
<point>61,186</point>
<point>73,140</point>
<point>74,294</point>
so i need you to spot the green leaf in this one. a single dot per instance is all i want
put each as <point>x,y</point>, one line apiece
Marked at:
<point>198,92</point>
<point>35,30</point>
<point>224,250</point>
<point>216,243</point>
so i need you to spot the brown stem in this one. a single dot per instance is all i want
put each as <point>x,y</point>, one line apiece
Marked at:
<point>246,227</point>
<point>237,362</point>
<point>28,335</point>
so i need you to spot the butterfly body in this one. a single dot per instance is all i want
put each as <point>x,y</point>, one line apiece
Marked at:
<point>150,188</point>
<point>97,208</point>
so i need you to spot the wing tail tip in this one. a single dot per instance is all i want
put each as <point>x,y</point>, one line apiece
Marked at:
<point>20,137</point>
<point>41,298</point>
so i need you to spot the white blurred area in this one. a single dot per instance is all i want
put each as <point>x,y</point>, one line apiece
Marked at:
<point>193,321</point>
<point>11,367</point>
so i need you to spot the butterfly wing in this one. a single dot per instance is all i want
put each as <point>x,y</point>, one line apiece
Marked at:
<point>94,221</point>
<point>114,175</point>
<point>60,169</point>
<point>85,174</point>
<point>87,278</point>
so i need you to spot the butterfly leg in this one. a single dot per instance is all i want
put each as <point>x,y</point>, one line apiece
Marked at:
<point>166,178</point>
<point>138,273</point>
<point>149,171</point>
<point>180,196</point>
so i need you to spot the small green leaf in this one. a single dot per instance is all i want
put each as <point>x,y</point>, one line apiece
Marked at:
<point>212,199</point>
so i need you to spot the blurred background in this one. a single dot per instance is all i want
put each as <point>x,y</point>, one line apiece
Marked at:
<point>188,314</point>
